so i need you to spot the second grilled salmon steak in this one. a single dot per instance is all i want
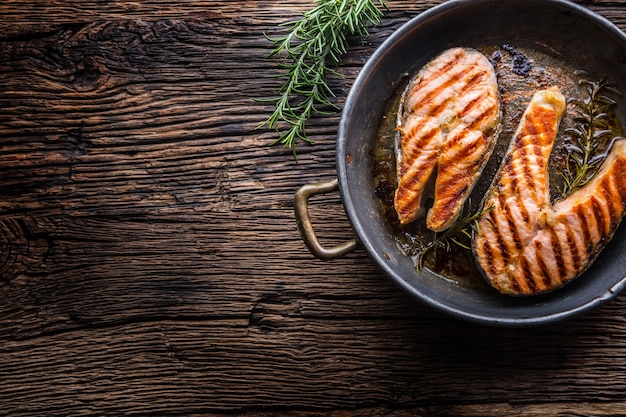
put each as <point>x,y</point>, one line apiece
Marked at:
<point>447,123</point>
<point>527,245</point>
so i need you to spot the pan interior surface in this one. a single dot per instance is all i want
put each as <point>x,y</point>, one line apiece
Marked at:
<point>563,30</point>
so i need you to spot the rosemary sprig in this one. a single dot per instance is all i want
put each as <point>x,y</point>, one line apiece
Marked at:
<point>592,132</point>
<point>460,229</point>
<point>313,48</point>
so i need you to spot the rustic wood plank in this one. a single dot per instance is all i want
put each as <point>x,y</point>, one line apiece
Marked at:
<point>478,410</point>
<point>208,364</point>
<point>150,262</point>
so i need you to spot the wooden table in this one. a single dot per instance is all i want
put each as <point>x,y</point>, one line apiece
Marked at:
<point>150,262</point>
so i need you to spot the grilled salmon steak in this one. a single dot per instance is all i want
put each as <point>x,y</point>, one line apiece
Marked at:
<point>447,126</point>
<point>527,245</point>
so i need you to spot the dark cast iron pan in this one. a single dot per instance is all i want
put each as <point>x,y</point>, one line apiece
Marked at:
<point>571,34</point>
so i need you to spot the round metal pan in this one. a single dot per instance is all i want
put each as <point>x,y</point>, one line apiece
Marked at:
<point>561,29</point>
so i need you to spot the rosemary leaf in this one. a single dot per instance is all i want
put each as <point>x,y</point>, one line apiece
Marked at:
<point>312,49</point>
<point>592,132</point>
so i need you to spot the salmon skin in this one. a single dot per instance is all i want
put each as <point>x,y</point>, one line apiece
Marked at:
<point>527,245</point>
<point>447,125</point>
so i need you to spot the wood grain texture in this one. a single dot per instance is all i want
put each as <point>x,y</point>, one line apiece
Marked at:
<point>150,262</point>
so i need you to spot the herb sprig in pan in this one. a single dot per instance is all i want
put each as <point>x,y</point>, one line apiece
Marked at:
<point>591,134</point>
<point>313,48</point>
<point>460,229</point>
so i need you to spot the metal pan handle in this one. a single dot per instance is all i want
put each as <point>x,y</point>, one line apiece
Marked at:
<point>301,205</point>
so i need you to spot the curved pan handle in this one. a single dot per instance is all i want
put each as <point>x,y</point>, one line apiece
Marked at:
<point>301,205</point>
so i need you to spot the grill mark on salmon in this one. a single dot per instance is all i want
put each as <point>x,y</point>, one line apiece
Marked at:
<point>447,126</point>
<point>609,194</point>
<point>472,82</point>
<point>544,277</point>
<point>558,253</point>
<point>432,85</point>
<point>485,117</point>
<point>528,177</point>
<point>489,268</point>
<point>526,271</point>
<point>475,102</point>
<point>598,211</point>
<point>573,248</point>
<point>584,226</point>
<point>444,65</point>
<point>514,234</point>
<point>438,93</point>
<point>427,135</point>
<point>557,241</point>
